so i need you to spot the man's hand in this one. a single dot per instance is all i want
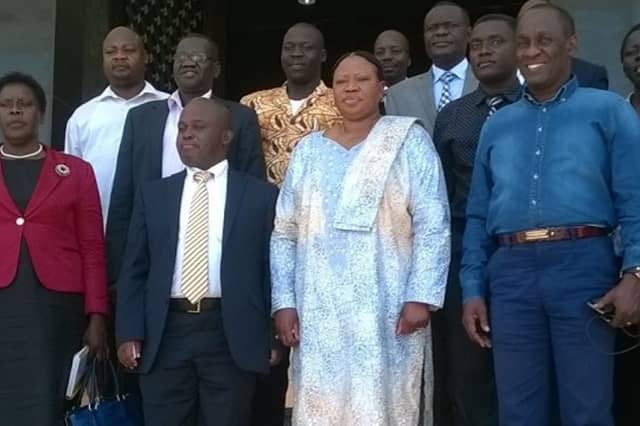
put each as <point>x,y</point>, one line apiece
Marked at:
<point>96,337</point>
<point>288,326</point>
<point>129,353</point>
<point>476,322</point>
<point>625,298</point>
<point>414,315</point>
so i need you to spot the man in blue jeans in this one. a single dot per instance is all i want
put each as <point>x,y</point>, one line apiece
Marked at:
<point>554,173</point>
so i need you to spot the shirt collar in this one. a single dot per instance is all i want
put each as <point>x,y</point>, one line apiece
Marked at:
<point>320,90</point>
<point>147,89</point>
<point>176,102</point>
<point>217,170</point>
<point>459,70</point>
<point>561,95</point>
<point>512,94</point>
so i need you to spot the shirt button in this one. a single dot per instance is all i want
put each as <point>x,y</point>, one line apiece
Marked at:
<point>534,202</point>
<point>20,221</point>
<point>535,177</point>
<point>540,129</point>
<point>544,109</point>
<point>538,152</point>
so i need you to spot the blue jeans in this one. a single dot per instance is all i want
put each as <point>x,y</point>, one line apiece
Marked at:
<point>549,351</point>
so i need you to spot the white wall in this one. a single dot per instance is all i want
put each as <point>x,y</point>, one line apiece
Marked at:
<point>27,31</point>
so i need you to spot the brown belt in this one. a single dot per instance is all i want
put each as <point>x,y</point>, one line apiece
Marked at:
<point>551,234</point>
<point>183,305</point>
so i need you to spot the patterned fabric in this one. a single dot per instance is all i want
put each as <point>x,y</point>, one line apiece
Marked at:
<point>456,135</point>
<point>162,23</point>
<point>281,130</point>
<point>349,287</point>
<point>362,190</point>
<point>195,267</point>
<point>445,97</point>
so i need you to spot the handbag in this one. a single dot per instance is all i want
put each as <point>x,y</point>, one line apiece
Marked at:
<point>119,410</point>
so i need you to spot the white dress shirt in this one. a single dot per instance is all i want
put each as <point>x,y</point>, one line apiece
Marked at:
<point>171,162</point>
<point>94,132</point>
<point>217,189</point>
<point>456,87</point>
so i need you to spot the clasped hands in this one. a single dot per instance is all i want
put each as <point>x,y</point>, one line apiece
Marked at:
<point>413,316</point>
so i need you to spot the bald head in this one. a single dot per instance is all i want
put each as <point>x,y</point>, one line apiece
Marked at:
<point>204,133</point>
<point>123,58</point>
<point>529,4</point>
<point>302,55</point>
<point>310,29</point>
<point>392,50</point>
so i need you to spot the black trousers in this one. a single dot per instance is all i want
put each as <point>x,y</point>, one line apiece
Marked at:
<point>627,377</point>
<point>271,391</point>
<point>464,383</point>
<point>194,381</point>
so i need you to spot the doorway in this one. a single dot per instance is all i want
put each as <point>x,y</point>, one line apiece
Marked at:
<point>255,30</point>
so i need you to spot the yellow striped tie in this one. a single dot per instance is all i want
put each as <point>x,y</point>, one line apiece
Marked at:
<point>195,263</point>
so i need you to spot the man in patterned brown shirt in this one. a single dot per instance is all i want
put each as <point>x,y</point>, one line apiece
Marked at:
<point>303,104</point>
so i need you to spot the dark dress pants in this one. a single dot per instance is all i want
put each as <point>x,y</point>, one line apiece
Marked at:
<point>271,391</point>
<point>194,380</point>
<point>464,382</point>
<point>550,351</point>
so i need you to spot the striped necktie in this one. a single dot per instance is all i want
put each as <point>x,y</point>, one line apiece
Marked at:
<point>494,104</point>
<point>445,96</point>
<point>195,263</point>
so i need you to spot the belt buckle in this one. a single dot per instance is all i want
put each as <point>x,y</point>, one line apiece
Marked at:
<point>538,235</point>
<point>197,310</point>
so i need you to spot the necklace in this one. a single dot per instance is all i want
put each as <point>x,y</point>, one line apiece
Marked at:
<point>21,157</point>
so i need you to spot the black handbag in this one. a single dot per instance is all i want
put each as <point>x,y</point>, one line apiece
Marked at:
<point>118,410</point>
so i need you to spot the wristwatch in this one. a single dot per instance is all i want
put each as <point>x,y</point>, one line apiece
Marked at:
<point>635,271</point>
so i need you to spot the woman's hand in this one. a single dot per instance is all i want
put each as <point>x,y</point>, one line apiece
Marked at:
<point>96,337</point>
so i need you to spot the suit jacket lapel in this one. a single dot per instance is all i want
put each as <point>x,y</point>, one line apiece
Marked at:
<point>236,186</point>
<point>47,181</point>
<point>5,198</point>
<point>156,137</point>
<point>172,201</point>
<point>427,96</point>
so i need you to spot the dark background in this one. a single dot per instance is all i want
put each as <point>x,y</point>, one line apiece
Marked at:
<point>249,33</point>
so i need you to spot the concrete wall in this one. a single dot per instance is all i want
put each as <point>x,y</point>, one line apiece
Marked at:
<point>601,26</point>
<point>27,40</point>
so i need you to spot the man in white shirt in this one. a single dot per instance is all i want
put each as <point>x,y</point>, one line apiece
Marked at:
<point>194,293</point>
<point>148,150</point>
<point>94,131</point>
<point>446,30</point>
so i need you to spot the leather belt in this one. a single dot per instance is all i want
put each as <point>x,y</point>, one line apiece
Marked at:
<point>551,234</point>
<point>183,305</point>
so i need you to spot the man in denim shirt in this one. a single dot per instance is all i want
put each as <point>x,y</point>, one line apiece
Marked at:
<point>555,172</point>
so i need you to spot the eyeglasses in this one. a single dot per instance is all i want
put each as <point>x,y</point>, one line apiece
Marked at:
<point>198,58</point>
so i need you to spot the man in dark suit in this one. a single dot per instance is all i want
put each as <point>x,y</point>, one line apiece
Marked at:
<point>587,73</point>
<point>148,151</point>
<point>194,294</point>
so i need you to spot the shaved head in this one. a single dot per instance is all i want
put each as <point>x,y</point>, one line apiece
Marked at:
<point>123,33</point>
<point>123,61</point>
<point>310,29</point>
<point>397,36</point>
<point>392,50</point>
<point>529,4</point>
<point>204,133</point>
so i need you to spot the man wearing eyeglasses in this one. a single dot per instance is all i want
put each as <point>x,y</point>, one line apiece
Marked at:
<point>148,147</point>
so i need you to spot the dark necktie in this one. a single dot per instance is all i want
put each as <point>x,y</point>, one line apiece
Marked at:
<point>494,104</point>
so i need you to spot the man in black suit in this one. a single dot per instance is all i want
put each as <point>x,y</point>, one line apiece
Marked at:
<point>148,149</point>
<point>194,293</point>
<point>587,73</point>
